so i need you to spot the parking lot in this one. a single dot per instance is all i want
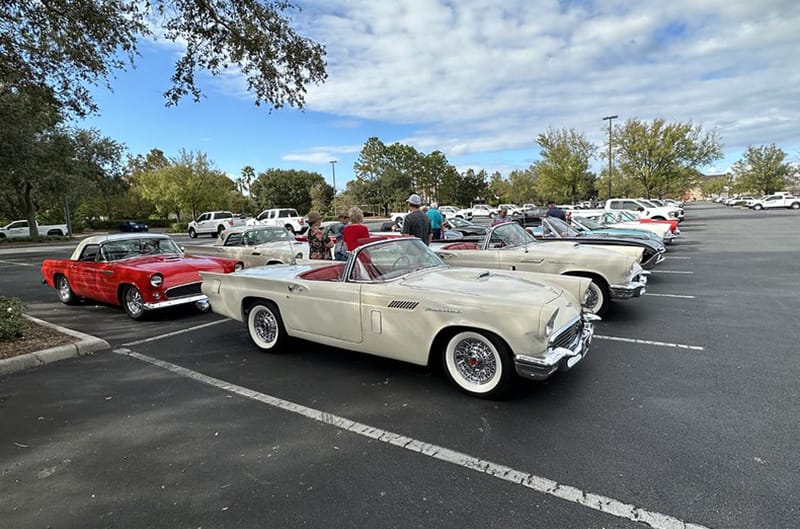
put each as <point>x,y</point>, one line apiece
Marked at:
<point>684,415</point>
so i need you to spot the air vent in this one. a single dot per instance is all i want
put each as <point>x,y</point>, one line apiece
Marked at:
<point>405,305</point>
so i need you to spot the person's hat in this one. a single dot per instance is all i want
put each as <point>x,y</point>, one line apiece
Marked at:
<point>313,217</point>
<point>414,200</point>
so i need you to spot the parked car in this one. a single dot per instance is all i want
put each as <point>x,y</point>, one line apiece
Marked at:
<point>589,225</point>
<point>20,228</point>
<point>775,201</point>
<point>554,229</point>
<point>646,209</point>
<point>508,246</point>
<point>142,272</point>
<point>132,226</point>
<point>396,299</point>
<point>213,223</point>
<point>629,220</point>
<point>254,246</point>
<point>465,227</point>
<point>287,218</point>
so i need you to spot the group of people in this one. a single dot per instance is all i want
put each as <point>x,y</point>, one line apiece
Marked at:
<point>423,222</point>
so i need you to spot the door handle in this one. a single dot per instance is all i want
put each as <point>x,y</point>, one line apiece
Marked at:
<point>295,288</point>
<point>256,253</point>
<point>108,272</point>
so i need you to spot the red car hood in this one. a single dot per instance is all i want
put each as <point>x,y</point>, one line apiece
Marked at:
<point>178,270</point>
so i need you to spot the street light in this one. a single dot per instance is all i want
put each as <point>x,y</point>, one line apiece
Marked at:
<point>333,169</point>
<point>610,159</point>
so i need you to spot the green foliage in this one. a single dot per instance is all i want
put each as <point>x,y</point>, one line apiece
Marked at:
<point>12,324</point>
<point>661,156</point>
<point>279,188</point>
<point>523,189</point>
<point>472,188</point>
<point>762,170</point>
<point>563,172</point>
<point>69,44</point>
<point>714,186</point>
<point>499,189</point>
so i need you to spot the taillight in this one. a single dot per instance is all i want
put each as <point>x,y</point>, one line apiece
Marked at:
<point>300,221</point>
<point>230,222</point>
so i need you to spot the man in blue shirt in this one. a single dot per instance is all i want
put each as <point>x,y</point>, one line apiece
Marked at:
<point>553,211</point>
<point>436,220</point>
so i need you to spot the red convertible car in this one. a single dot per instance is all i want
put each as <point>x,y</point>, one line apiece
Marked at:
<point>141,272</point>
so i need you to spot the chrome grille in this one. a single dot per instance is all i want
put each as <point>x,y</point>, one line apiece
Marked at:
<point>406,305</point>
<point>191,289</point>
<point>567,337</point>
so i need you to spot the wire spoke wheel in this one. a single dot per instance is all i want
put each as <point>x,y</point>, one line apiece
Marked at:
<point>265,327</point>
<point>477,364</point>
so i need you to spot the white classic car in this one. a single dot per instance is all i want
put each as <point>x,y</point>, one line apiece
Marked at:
<point>395,298</point>
<point>508,246</point>
<point>254,246</point>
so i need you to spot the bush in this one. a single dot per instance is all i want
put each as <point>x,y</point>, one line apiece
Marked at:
<point>12,324</point>
<point>177,227</point>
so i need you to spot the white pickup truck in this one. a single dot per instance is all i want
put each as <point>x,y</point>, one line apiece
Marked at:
<point>286,217</point>
<point>776,200</point>
<point>20,228</point>
<point>213,223</point>
<point>647,209</point>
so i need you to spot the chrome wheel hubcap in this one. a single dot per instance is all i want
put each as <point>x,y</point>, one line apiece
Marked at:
<point>475,361</point>
<point>592,299</point>
<point>266,326</point>
<point>133,300</point>
<point>63,288</point>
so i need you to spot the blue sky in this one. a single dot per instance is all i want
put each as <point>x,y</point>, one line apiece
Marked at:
<point>479,82</point>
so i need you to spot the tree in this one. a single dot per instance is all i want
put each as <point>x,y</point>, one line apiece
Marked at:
<point>662,156</point>
<point>280,188</point>
<point>472,187</point>
<point>714,186</point>
<point>66,45</point>
<point>563,169</point>
<point>762,169</point>
<point>499,189</point>
<point>522,186</point>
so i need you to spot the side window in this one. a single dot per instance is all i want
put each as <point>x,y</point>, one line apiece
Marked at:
<point>630,204</point>
<point>203,217</point>
<point>234,239</point>
<point>284,213</point>
<point>224,215</point>
<point>19,224</point>
<point>89,253</point>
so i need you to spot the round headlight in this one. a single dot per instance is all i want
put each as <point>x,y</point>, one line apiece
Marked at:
<point>156,280</point>
<point>238,267</point>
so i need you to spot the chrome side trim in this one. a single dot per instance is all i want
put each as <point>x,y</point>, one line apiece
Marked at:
<point>172,302</point>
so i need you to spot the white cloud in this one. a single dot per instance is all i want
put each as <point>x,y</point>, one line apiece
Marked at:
<point>321,155</point>
<point>477,77</point>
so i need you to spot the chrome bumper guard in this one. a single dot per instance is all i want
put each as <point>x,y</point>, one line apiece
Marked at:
<point>634,289</point>
<point>200,299</point>
<point>558,358</point>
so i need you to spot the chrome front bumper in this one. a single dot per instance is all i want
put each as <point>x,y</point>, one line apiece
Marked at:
<point>200,299</point>
<point>633,289</point>
<point>557,358</point>
<point>655,260</point>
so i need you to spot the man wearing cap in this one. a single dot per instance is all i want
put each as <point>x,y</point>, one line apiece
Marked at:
<point>416,222</point>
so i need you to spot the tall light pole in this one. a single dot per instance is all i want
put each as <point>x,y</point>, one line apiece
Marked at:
<point>610,159</point>
<point>333,169</point>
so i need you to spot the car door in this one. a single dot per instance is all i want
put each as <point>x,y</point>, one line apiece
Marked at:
<point>202,222</point>
<point>330,309</point>
<point>92,277</point>
<point>18,229</point>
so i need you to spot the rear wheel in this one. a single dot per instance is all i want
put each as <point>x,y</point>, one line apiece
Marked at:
<point>220,229</point>
<point>65,293</point>
<point>58,233</point>
<point>478,364</point>
<point>132,302</point>
<point>795,205</point>
<point>265,327</point>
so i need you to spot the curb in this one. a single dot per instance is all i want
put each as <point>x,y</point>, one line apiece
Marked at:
<point>85,345</point>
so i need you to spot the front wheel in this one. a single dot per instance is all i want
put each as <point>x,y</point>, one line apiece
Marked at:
<point>192,233</point>
<point>758,207</point>
<point>265,327</point>
<point>479,364</point>
<point>132,302</point>
<point>65,293</point>
<point>597,298</point>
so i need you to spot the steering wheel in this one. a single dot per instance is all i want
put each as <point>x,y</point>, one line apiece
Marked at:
<point>403,261</point>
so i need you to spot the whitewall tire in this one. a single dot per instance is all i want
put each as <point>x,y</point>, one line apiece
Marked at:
<point>265,327</point>
<point>478,364</point>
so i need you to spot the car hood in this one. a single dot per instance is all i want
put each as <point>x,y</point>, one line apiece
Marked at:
<point>171,264</point>
<point>490,285</point>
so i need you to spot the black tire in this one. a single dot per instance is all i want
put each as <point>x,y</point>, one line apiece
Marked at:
<point>131,300</point>
<point>758,207</point>
<point>192,233</point>
<point>220,229</point>
<point>479,364</point>
<point>599,296</point>
<point>290,229</point>
<point>265,327</point>
<point>65,293</point>
<point>795,205</point>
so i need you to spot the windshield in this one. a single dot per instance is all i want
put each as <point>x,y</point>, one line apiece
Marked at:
<point>561,228</point>
<point>586,223</point>
<point>391,259</point>
<point>627,215</point>
<point>510,235</point>
<point>129,248</point>
<point>264,235</point>
<point>460,223</point>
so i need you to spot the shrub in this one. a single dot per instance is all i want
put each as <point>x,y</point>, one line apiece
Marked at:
<point>12,324</point>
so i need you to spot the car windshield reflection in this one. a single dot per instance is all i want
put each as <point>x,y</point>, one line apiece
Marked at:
<point>120,249</point>
<point>509,235</point>
<point>265,235</point>
<point>387,260</point>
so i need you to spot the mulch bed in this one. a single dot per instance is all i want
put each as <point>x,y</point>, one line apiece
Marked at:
<point>35,338</point>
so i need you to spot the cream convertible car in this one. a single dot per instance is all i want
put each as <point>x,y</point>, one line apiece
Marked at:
<point>254,246</point>
<point>508,246</point>
<point>395,298</point>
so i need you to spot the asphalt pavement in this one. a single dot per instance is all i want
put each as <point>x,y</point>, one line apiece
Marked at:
<point>683,415</point>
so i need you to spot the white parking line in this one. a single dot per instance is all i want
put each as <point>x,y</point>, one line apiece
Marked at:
<point>671,272</point>
<point>174,333</point>
<point>650,342</point>
<point>540,484</point>
<point>16,263</point>
<point>680,296</point>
